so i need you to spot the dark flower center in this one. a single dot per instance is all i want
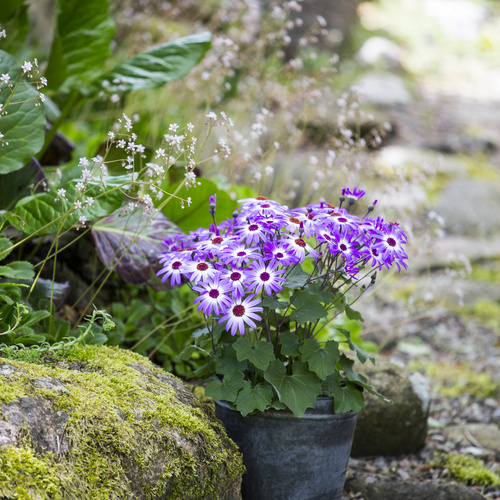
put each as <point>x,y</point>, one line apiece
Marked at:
<point>239,310</point>
<point>342,219</point>
<point>391,242</point>
<point>375,252</point>
<point>214,293</point>
<point>343,247</point>
<point>279,255</point>
<point>262,198</point>
<point>202,266</point>
<point>265,276</point>
<point>176,264</point>
<point>265,205</point>
<point>294,220</point>
<point>235,276</point>
<point>241,254</point>
<point>253,227</point>
<point>217,240</point>
<point>300,242</point>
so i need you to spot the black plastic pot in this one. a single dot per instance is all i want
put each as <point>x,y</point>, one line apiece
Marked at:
<point>290,458</point>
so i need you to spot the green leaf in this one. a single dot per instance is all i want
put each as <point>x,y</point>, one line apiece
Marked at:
<point>268,301</point>
<point>18,270</point>
<point>251,399</point>
<point>23,126</point>
<point>259,354</point>
<point>352,314</point>
<point>9,8</point>
<point>81,44</point>
<point>346,397</point>
<point>299,390</point>
<point>289,344</point>
<point>156,66</point>
<point>42,214</point>
<point>5,246</point>
<point>35,317</point>
<point>362,355</point>
<point>307,308</point>
<point>296,278</point>
<point>197,214</point>
<point>320,360</point>
<point>227,389</point>
<point>227,363</point>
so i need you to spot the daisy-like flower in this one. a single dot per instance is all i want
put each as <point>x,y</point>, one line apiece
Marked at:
<point>390,245</point>
<point>253,232</point>
<point>299,246</point>
<point>241,313</point>
<point>265,276</point>
<point>174,268</point>
<point>346,244</point>
<point>239,254</point>
<point>214,296</point>
<point>236,279</point>
<point>279,252</point>
<point>354,195</point>
<point>201,271</point>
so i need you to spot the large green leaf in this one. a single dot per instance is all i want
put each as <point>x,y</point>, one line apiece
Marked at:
<point>320,360</point>
<point>251,399</point>
<point>299,390</point>
<point>130,242</point>
<point>227,389</point>
<point>81,44</point>
<point>42,214</point>
<point>5,246</point>
<point>23,126</point>
<point>307,308</point>
<point>346,396</point>
<point>156,66</point>
<point>297,277</point>
<point>197,214</point>
<point>18,270</point>
<point>259,354</point>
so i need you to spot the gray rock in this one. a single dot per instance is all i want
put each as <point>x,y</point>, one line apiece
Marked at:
<point>384,429</point>
<point>107,423</point>
<point>380,53</point>
<point>486,436</point>
<point>385,89</point>
<point>373,488</point>
<point>470,207</point>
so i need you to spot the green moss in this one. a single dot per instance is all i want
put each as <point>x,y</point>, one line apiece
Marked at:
<point>484,311</point>
<point>454,380</point>
<point>120,416</point>
<point>23,476</point>
<point>470,470</point>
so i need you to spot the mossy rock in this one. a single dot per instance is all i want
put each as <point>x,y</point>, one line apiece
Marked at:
<point>105,423</point>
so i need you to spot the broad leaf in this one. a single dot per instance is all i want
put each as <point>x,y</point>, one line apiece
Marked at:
<point>320,360</point>
<point>346,397</point>
<point>18,270</point>
<point>227,389</point>
<point>251,399</point>
<point>81,44</point>
<point>268,301</point>
<point>307,308</point>
<point>226,362</point>
<point>289,344</point>
<point>362,355</point>
<point>259,354</point>
<point>296,278</point>
<point>42,214</point>
<point>129,243</point>
<point>299,390</point>
<point>5,246</point>
<point>197,214</point>
<point>156,66</point>
<point>23,126</point>
<point>352,314</point>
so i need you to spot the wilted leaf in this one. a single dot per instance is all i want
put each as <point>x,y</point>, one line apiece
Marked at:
<point>130,243</point>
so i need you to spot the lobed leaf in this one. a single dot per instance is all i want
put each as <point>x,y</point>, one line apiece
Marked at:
<point>251,399</point>
<point>306,308</point>
<point>227,389</point>
<point>18,270</point>
<point>321,361</point>
<point>259,354</point>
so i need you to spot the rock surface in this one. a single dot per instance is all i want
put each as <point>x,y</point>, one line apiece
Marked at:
<point>106,423</point>
<point>384,429</point>
<point>373,488</point>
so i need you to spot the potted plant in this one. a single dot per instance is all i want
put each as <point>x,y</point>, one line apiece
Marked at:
<point>270,282</point>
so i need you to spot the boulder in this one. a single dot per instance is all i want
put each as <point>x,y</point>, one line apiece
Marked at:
<point>105,423</point>
<point>392,429</point>
<point>373,488</point>
<point>385,89</point>
<point>380,52</point>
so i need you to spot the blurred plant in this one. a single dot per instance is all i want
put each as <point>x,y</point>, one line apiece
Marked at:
<point>45,207</point>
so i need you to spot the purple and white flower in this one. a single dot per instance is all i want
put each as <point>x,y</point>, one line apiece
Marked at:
<point>242,312</point>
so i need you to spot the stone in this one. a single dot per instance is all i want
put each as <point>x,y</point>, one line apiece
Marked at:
<point>470,207</point>
<point>106,423</point>
<point>384,89</point>
<point>486,436</point>
<point>374,488</point>
<point>392,429</point>
<point>380,53</point>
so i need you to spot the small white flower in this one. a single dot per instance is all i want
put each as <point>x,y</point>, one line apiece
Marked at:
<point>82,221</point>
<point>190,126</point>
<point>80,186</point>
<point>27,67</point>
<point>89,201</point>
<point>5,78</point>
<point>61,194</point>
<point>211,116</point>
<point>269,170</point>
